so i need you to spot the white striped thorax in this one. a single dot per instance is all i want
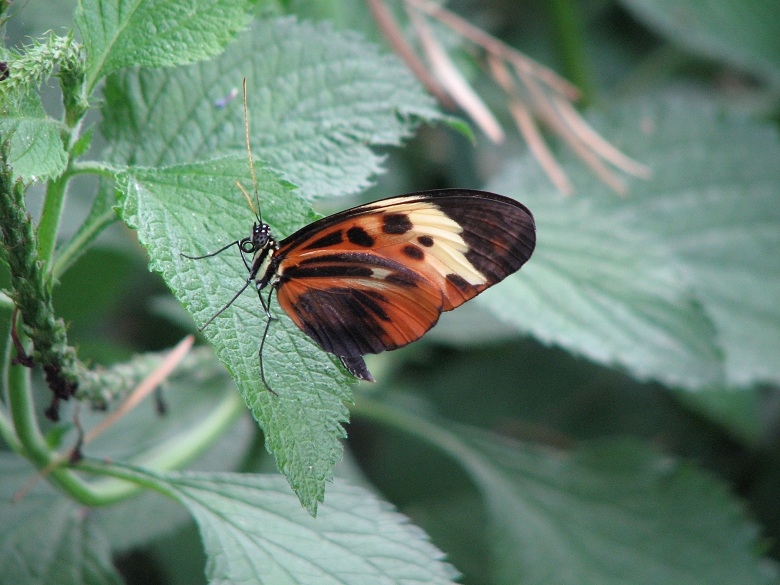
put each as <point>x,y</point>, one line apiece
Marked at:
<point>262,245</point>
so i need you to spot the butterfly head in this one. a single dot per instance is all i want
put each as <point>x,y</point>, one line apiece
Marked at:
<point>260,239</point>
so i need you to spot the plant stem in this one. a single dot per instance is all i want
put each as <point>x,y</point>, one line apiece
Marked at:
<point>31,289</point>
<point>33,444</point>
<point>50,218</point>
<point>173,454</point>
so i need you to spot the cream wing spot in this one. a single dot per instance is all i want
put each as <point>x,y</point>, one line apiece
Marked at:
<point>448,252</point>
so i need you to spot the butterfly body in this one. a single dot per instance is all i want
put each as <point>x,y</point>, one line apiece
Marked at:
<point>378,276</point>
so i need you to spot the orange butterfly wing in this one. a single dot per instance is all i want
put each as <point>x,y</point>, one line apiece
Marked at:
<point>377,276</point>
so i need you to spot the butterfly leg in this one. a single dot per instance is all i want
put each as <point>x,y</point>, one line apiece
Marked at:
<point>267,308</point>
<point>222,249</point>
<point>262,344</point>
<point>356,366</point>
<point>230,302</point>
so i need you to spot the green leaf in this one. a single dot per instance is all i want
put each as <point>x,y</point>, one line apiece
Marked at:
<point>676,282</point>
<point>37,152</point>
<point>610,513</point>
<point>741,32</point>
<point>129,33</point>
<point>47,538</point>
<point>738,410</point>
<point>196,209</point>
<point>318,100</point>
<point>255,532</point>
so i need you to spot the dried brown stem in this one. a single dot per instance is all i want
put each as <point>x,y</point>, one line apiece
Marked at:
<point>525,124</point>
<point>392,32</point>
<point>454,83</point>
<point>497,47</point>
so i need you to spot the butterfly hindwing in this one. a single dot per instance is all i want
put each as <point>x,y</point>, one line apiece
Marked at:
<point>377,276</point>
<point>353,303</point>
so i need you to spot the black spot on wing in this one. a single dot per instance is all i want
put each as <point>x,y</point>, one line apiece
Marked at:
<point>426,241</point>
<point>396,223</point>
<point>331,239</point>
<point>359,237</point>
<point>413,252</point>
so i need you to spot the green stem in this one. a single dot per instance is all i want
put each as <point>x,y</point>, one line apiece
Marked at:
<point>50,218</point>
<point>176,453</point>
<point>97,220</point>
<point>20,403</point>
<point>7,431</point>
<point>570,38</point>
<point>33,444</point>
<point>6,425</point>
<point>124,473</point>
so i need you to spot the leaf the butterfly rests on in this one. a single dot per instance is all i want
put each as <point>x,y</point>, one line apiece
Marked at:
<point>378,276</point>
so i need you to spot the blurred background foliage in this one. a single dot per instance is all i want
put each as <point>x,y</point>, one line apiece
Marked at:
<point>724,55</point>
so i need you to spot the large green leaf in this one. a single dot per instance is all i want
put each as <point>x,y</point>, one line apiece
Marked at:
<point>254,532</point>
<point>678,281</point>
<point>196,209</point>
<point>610,514</point>
<point>741,32</point>
<point>318,100</point>
<point>47,538</point>
<point>128,33</point>
<point>613,512</point>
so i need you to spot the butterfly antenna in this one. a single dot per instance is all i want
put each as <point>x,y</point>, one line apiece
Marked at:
<point>256,209</point>
<point>248,198</point>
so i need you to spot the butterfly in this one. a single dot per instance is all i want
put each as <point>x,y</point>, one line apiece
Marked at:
<point>378,276</point>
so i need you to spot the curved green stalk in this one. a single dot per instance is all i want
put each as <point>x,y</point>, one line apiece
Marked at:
<point>570,40</point>
<point>50,218</point>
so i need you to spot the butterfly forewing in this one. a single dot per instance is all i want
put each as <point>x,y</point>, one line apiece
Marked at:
<point>377,276</point>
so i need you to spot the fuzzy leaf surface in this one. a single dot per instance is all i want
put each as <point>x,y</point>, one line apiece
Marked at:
<point>255,532</point>
<point>46,537</point>
<point>196,209</point>
<point>610,513</point>
<point>318,100</point>
<point>130,33</point>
